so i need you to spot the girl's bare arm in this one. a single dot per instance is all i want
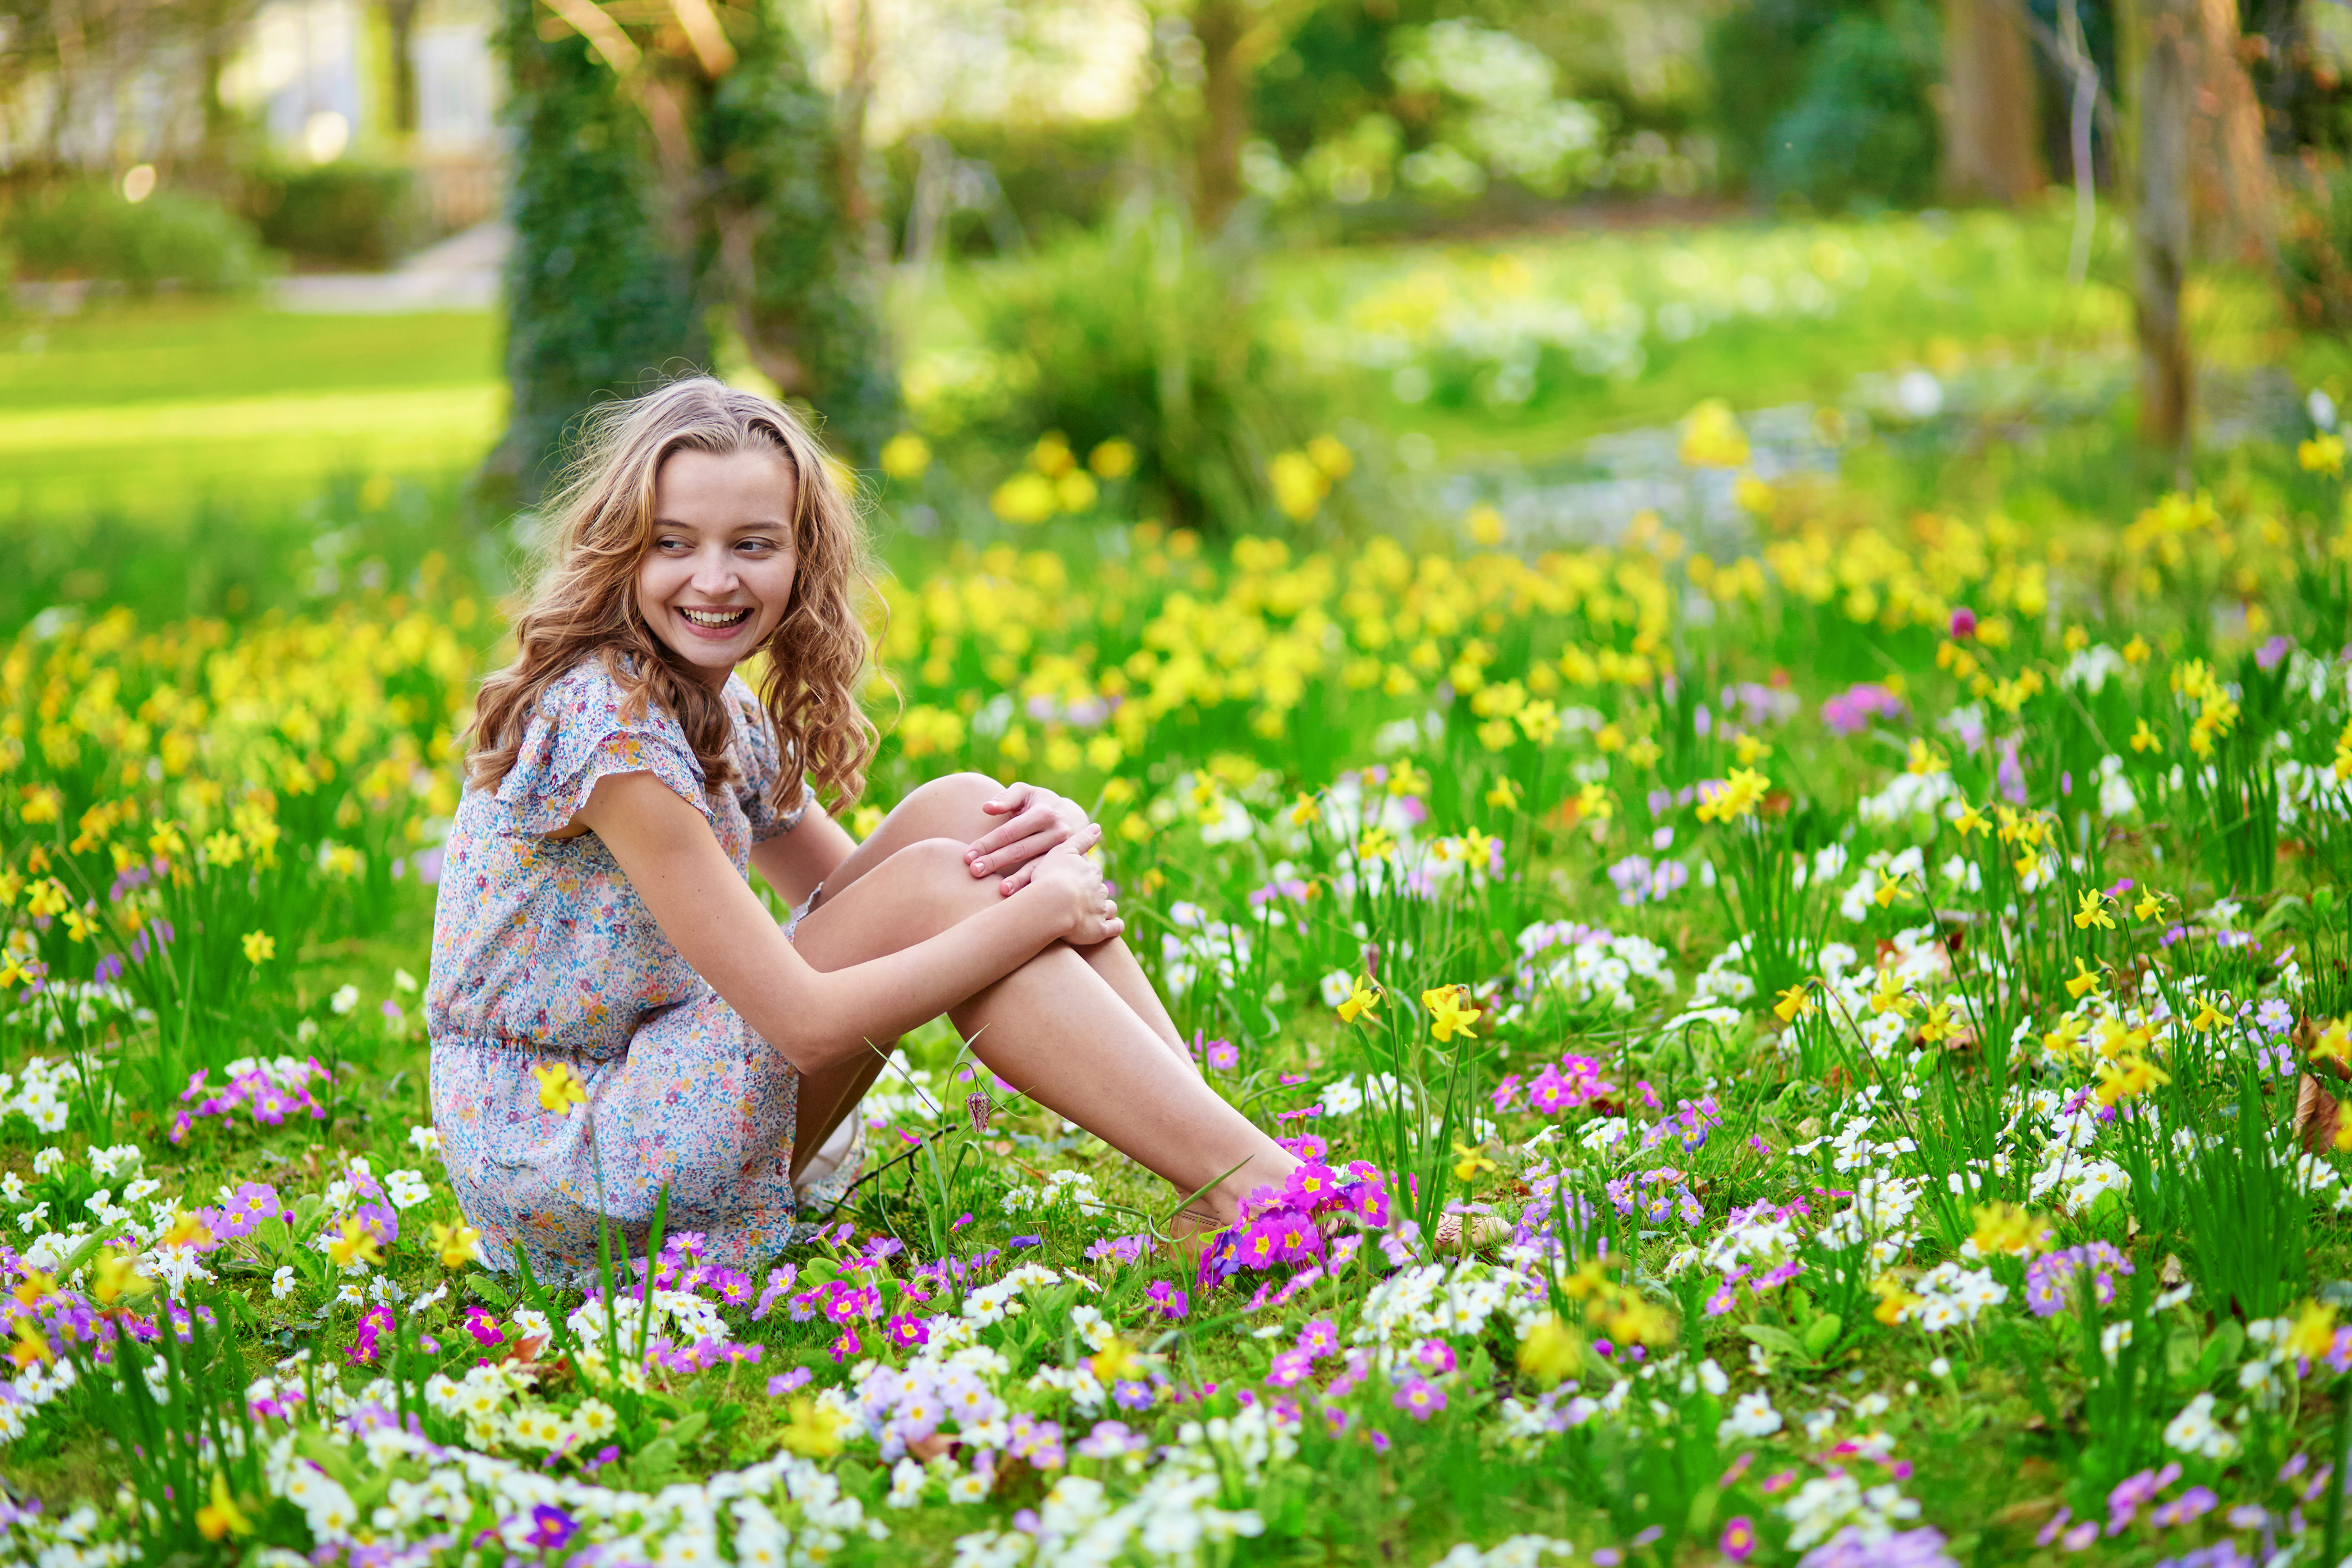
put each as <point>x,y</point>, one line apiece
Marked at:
<point>819,1019</point>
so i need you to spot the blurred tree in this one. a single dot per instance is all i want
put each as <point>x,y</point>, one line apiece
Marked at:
<point>1230,40</point>
<point>2162,43</point>
<point>1992,103</point>
<point>685,159</point>
<point>1829,102</point>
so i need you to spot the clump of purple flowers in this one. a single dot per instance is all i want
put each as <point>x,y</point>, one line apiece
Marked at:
<point>2050,1280</point>
<point>1640,880</point>
<point>271,1092</point>
<point>1851,710</point>
<point>1575,1083</point>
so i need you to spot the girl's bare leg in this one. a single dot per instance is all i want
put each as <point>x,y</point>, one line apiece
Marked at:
<point>949,807</point>
<point>1054,1029</point>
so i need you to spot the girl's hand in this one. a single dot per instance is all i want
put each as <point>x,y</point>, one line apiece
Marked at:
<point>1036,820</point>
<point>1066,875</point>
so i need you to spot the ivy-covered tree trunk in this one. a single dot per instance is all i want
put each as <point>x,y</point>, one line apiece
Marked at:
<point>786,248</point>
<point>599,300</point>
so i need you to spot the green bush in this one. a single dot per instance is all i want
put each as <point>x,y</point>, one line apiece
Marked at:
<point>1826,101</point>
<point>345,213</point>
<point>88,230</point>
<point>1142,332</point>
<point>2314,253</point>
<point>1862,130</point>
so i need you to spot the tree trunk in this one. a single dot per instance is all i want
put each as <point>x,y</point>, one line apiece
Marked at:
<point>599,300</point>
<point>1220,26</point>
<point>1991,141</point>
<point>2164,105</point>
<point>400,17</point>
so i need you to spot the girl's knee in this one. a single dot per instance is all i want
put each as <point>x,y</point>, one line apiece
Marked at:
<point>938,868</point>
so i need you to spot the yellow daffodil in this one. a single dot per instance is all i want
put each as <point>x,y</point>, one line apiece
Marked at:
<point>1450,1012</point>
<point>2004,1229</point>
<point>456,1245</point>
<point>2142,739</point>
<point>1969,820</point>
<point>1795,1003</point>
<point>260,947</point>
<point>2084,982</point>
<point>1925,760</point>
<point>2149,905</point>
<point>1307,809</point>
<point>559,1087</point>
<point>355,1243</point>
<point>1362,999</point>
<point>2092,912</point>
<point>1735,797</point>
<point>221,1518</point>
<point>1504,796</point>
<point>2127,1078</point>
<point>1375,844</point>
<point>1551,1351</point>
<point>814,1432</point>
<point>2334,1044</point>
<point>2208,1018</point>
<point>1468,1163</point>
<point>2323,454</point>
<point>30,1346</point>
<point>116,1277</point>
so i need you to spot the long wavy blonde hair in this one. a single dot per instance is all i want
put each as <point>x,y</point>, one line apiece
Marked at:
<point>586,597</point>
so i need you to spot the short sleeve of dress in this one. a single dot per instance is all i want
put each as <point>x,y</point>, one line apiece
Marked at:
<point>761,762</point>
<point>578,737</point>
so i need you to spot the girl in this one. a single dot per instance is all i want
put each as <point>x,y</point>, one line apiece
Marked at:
<point>613,1011</point>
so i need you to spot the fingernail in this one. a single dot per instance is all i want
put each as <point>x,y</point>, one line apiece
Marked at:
<point>979,865</point>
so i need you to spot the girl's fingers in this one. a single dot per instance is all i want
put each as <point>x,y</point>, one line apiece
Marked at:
<point>1015,796</point>
<point>1019,850</point>
<point>1027,826</point>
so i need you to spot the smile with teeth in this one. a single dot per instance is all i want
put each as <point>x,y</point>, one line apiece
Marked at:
<point>715,620</point>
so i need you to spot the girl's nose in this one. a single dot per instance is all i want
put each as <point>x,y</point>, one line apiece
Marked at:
<point>714,573</point>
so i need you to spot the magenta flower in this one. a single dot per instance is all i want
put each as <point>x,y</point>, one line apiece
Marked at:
<point>1434,1357</point>
<point>1418,1398</point>
<point>906,1331</point>
<point>1290,1369</point>
<point>1168,1301</point>
<point>1550,1093</point>
<point>1223,1055</point>
<point>1739,1539</point>
<point>1313,1185</point>
<point>1319,1338</point>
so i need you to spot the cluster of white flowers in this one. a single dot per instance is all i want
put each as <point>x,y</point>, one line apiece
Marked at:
<point>1058,1188</point>
<point>1433,1298</point>
<point>39,1092</point>
<point>1588,966</point>
<point>1826,1504</point>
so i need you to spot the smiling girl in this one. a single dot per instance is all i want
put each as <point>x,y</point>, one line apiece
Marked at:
<point>596,913</point>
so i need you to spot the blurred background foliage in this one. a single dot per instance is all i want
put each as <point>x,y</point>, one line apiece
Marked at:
<point>270,253</point>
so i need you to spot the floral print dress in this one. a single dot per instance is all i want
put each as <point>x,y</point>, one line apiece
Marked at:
<point>542,953</point>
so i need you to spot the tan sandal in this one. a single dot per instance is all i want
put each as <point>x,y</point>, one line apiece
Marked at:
<point>1481,1232</point>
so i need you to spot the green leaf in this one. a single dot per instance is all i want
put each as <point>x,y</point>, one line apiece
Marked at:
<point>489,1289</point>
<point>1822,1334</point>
<point>688,1428</point>
<point>1780,1341</point>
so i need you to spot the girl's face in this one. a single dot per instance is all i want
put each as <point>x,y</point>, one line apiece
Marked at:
<point>714,582</point>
